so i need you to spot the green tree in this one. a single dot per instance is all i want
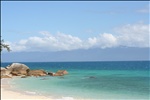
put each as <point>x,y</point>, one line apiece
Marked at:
<point>4,46</point>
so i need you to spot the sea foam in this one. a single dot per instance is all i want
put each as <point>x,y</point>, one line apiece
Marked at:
<point>29,92</point>
<point>66,98</point>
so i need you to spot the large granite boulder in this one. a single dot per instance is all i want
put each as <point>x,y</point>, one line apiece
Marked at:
<point>60,73</point>
<point>3,71</point>
<point>37,73</point>
<point>17,69</point>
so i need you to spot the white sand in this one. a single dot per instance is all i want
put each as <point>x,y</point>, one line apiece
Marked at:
<point>8,94</point>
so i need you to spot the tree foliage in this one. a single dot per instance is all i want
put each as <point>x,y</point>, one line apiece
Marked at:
<point>4,46</point>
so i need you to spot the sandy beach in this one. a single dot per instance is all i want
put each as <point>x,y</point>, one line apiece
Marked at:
<point>8,94</point>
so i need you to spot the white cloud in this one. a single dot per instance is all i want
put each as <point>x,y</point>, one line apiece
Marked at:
<point>16,46</point>
<point>48,42</point>
<point>107,40</point>
<point>136,35</point>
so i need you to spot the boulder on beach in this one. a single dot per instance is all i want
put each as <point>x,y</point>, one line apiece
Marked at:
<point>40,72</point>
<point>60,73</point>
<point>17,69</point>
<point>3,71</point>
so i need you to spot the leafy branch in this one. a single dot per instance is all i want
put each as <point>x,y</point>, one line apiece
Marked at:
<point>4,46</point>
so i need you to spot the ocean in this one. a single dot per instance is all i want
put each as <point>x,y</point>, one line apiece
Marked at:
<point>104,80</point>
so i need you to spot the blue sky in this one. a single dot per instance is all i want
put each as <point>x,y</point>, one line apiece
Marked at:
<point>82,19</point>
<point>49,26</point>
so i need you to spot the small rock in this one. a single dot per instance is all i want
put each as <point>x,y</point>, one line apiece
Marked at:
<point>61,73</point>
<point>92,77</point>
<point>51,73</point>
<point>24,76</point>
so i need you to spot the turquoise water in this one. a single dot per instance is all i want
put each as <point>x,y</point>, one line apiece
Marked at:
<point>90,80</point>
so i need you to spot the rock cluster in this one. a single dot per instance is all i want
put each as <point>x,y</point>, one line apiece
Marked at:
<point>18,69</point>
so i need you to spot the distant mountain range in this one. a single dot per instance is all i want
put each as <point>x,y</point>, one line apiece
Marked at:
<point>95,54</point>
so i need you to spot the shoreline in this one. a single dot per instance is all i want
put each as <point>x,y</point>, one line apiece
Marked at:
<point>7,93</point>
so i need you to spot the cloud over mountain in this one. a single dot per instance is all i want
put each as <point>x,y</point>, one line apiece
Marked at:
<point>131,35</point>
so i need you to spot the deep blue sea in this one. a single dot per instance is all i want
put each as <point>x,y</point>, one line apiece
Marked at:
<point>111,80</point>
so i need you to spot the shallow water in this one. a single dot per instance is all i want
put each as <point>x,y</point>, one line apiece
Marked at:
<point>90,80</point>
